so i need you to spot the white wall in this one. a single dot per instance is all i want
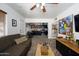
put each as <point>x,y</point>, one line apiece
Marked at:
<point>72,10</point>
<point>11,14</point>
<point>49,21</point>
<point>22,26</point>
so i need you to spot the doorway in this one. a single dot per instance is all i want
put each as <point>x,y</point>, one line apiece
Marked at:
<point>2,23</point>
<point>37,28</point>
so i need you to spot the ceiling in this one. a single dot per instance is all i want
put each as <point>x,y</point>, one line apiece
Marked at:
<point>52,10</point>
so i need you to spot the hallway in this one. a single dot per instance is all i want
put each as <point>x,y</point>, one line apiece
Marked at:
<point>37,39</point>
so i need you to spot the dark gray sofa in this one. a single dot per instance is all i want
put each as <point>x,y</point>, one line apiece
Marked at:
<point>8,47</point>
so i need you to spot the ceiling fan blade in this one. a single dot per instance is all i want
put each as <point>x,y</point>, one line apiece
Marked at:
<point>33,7</point>
<point>44,10</point>
<point>55,3</point>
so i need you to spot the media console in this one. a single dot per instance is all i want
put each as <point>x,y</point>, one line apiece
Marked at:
<point>67,48</point>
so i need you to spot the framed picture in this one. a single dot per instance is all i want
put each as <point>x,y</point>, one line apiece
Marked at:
<point>61,27</point>
<point>66,25</point>
<point>14,23</point>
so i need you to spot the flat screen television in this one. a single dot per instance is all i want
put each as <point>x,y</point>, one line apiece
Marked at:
<point>76,22</point>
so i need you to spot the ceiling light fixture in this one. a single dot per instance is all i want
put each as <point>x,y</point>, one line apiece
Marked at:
<point>37,5</point>
<point>41,5</point>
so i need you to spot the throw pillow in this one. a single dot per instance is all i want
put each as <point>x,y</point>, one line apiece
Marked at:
<point>20,40</point>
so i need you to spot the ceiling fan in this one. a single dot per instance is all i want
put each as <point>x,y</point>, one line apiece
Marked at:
<point>41,5</point>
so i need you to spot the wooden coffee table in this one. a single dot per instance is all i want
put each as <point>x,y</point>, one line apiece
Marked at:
<point>38,51</point>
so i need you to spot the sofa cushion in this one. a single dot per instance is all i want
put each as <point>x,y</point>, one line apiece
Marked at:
<point>20,40</point>
<point>18,50</point>
<point>7,41</point>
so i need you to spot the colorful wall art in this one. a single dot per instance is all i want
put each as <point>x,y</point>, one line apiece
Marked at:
<point>66,25</point>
